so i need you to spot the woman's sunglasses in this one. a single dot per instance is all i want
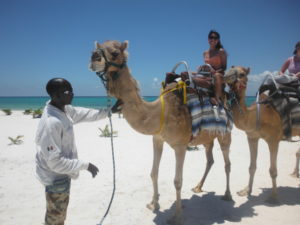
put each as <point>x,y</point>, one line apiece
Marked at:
<point>213,38</point>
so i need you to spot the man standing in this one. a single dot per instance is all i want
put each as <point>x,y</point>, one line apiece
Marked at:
<point>56,158</point>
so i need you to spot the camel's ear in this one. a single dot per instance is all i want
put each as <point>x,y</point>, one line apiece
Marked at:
<point>124,45</point>
<point>248,70</point>
<point>97,45</point>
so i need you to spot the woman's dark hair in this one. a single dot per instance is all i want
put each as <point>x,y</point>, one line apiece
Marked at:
<point>219,45</point>
<point>56,84</point>
<point>296,47</point>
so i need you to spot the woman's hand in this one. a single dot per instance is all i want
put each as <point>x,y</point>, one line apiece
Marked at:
<point>203,81</point>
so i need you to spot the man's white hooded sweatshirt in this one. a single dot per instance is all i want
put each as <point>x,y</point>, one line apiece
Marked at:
<point>56,154</point>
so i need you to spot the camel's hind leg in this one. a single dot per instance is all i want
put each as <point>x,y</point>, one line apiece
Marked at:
<point>209,163</point>
<point>253,144</point>
<point>296,170</point>
<point>157,152</point>
<point>225,145</point>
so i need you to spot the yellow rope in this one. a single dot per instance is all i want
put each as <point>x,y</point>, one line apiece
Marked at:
<point>180,85</point>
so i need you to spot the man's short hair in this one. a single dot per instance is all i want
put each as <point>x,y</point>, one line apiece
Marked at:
<point>56,84</point>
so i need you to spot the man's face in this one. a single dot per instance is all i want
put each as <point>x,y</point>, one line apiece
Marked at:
<point>66,95</point>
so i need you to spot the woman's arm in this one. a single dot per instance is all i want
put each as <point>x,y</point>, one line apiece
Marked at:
<point>284,67</point>
<point>223,56</point>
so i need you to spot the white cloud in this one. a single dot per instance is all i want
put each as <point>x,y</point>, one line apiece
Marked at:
<point>155,83</point>
<point>255,80</point>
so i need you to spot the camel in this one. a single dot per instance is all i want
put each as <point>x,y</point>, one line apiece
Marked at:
<point>109,59</point>
<point>270,127</point>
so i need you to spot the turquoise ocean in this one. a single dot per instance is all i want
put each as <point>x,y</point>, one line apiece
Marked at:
<point>22,103</point>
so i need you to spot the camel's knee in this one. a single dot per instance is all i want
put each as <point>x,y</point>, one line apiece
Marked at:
<point>154,176</point>
<point>210,162</point>
<point>227,167</point>
<point>178,184</point>
<point>273,173</point>
<point>252,169</point>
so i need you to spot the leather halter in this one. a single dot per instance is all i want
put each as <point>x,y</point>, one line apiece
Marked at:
<point>103,74</point>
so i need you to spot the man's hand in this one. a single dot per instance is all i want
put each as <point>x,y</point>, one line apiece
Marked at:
<point>117,107</point>
<point>93,169</point>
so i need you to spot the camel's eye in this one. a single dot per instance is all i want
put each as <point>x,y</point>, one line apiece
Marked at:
<point>242,75</point>
<point>96,56</point>
<point>115,54</point>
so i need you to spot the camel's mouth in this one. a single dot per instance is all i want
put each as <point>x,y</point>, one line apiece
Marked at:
<point>97,67</point>
<point>97,62</point>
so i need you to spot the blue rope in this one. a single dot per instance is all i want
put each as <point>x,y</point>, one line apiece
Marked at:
<point>113,159</point>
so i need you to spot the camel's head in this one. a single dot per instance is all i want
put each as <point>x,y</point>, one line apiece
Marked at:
<point>109,56</point>
<point>236,77</point>
<point>107,60</point>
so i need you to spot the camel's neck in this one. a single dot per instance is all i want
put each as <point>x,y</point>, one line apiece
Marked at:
<point>241,113</point>
<point>143,116</point>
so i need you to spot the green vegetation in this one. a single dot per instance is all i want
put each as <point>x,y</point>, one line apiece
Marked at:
<point>7,111</point>
<point>27,111</point>
<point>107,133</point>
<point>37,113</point>
<point>192,148</point>
<point>16,141</point>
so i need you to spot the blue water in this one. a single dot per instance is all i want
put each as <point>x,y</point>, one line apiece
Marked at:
<point>22,103</point>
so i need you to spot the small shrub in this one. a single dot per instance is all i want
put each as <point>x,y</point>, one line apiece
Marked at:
<point>107,133</point>
<point>16,141</point>
<point>37,113</point>
<point>27,111</point>
<point>7,111</point>
<point>192,148</point>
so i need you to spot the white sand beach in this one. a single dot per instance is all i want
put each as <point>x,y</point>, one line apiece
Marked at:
<point>22,199</point>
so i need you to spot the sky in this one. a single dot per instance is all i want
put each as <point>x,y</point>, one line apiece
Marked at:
<point>43,39</point>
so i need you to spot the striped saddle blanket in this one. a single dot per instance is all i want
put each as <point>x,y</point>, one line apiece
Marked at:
<point>204,116</point>
<point>289,111</point>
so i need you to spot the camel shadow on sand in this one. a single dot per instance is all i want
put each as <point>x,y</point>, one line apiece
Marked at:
<point>208,208</point>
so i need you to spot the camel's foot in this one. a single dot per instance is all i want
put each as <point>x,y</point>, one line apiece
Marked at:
<point>295,174</point>
<point>175,220</point>
<point>272,199</point>
<point>197,189</point>
<point>153,206</point>
<point>227,196</point>
<point>246,191</point>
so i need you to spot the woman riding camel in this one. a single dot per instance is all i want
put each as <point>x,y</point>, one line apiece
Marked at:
<point>216,57</point>
<point>292,64</point>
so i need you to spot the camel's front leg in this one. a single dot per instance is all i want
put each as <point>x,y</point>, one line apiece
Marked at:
<point>180,155</point>
<point>253,145</point>
<point>225,144</point>
<point>273,147</point>
<point>157,152</point>
<point>209,163</point>
<point>296,171</point>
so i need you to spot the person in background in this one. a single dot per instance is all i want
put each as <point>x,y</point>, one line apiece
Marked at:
<point>216,57</point>
<point>56,158</point>
<point>292,64</point>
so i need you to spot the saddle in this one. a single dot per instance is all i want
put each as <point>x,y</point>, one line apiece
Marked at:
<point>198,88</point>
<point>284,90</point>
<point>284,98</point>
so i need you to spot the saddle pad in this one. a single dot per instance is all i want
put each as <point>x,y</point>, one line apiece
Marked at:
<point>281,104</point>
<point>203,116</point>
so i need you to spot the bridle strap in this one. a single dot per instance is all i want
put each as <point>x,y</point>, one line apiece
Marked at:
<point>115,75</point>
